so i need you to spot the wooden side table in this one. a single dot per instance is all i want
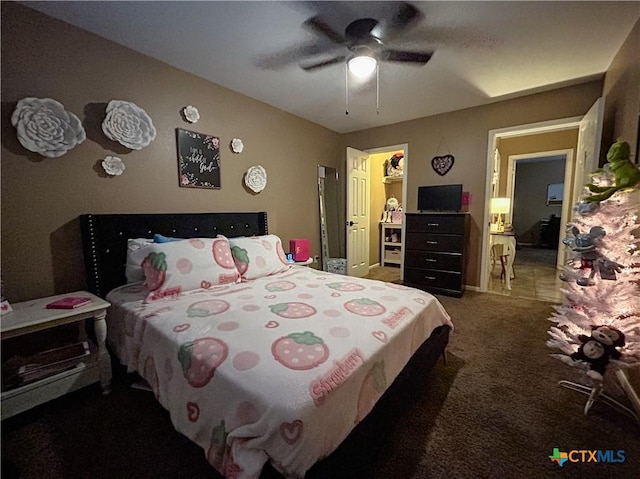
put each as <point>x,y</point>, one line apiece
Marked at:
<point>31,316</point>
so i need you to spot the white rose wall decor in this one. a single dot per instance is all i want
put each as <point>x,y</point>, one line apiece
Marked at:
<point>191,114</point>
<point>236,145</point>
<point>113,166</point>
<point>256,178</point>
<point>128,124</point>
<point>45,127</point>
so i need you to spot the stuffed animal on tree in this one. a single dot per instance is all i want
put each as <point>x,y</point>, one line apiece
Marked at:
<point>585,245</point>
<point>598,349</point>
<point>625,173</point>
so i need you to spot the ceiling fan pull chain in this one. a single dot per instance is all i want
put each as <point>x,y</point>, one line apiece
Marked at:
<point>378,88</point>
<point>346,89</point>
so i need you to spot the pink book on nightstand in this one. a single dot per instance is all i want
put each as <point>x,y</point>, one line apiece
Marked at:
<point>70,302</point>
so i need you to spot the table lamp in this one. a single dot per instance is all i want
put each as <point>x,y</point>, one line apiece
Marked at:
<point>499,207</point>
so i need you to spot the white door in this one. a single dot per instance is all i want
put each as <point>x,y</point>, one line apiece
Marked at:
<point>588,151</point>
<point>358,191</point>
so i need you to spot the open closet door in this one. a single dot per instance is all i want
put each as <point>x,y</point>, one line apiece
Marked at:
<point>588,150</point>
<point>358,192</point>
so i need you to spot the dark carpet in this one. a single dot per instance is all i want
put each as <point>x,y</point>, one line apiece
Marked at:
<point>494,410</point>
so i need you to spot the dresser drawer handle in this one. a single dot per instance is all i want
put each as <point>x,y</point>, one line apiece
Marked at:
<point>429,260</point>
<point>432,242</point>
<point>433,224</point>
<point>430,277</point>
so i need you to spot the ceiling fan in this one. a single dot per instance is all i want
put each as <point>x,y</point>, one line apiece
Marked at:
<point>365,40</point>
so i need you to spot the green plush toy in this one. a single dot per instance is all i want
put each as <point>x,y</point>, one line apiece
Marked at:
<point>625,173</point>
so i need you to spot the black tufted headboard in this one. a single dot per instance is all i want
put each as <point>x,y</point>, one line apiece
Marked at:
<point>104,237</point>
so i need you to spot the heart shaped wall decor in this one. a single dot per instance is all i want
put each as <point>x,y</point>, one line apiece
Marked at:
<point>442,164</point>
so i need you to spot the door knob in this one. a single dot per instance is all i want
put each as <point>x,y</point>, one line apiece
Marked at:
<point>351,223</point>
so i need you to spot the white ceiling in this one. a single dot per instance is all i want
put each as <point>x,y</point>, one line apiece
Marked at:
<point>484,51</point>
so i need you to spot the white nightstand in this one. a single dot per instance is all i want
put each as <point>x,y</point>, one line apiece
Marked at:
<point>31,316</point>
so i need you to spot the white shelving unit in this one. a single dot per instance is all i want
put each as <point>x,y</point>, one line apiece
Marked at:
<point>391,179</point>
<point>390,251</point>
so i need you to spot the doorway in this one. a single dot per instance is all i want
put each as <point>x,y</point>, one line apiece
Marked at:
<point>521,172</point>
<point>535,186</point>
<point>577,168</point>
<point>536,183</point>
<point>380,189</point>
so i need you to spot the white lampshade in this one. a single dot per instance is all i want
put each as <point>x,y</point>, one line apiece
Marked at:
<point>500,205</point>
<point>362,66</point>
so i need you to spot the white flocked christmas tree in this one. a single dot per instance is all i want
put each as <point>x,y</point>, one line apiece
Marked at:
<point>597,326</point>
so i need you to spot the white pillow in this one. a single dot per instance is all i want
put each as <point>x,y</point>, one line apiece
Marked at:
<point>179,266</point>
<point>133,269</point>
<point>258,256</point>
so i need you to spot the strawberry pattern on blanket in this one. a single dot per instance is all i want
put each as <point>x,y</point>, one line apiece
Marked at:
<point>280,368</point>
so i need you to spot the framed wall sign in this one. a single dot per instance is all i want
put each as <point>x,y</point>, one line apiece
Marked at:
<point>198,159</point>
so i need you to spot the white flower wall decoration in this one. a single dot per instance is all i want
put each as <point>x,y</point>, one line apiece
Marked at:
<point>45,127</point>
<point>236,145</point>
<point>128,124</point>
<point>191,114</point>
<point>113,166</point>
<point>256,178</point>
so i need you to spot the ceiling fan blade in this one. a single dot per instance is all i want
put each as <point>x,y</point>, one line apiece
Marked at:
<point>293,55</point>
<point>323,63</point>
<point>403,56</point>
<point>405,18</point>
<point>407,14</point>
<point>320,26</point>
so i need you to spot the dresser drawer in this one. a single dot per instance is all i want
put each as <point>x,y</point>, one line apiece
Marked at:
<point>434,242</point>
<point>445,224</point>
<point>433,260</point>
<point>433,279</point>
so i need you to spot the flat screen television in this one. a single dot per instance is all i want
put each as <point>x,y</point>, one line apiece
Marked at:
<point>440,198</point>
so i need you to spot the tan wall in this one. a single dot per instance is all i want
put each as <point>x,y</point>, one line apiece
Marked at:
<point>466,133</point>
<point>522,145</point>
<point>42,197</point>
<point>622,96</point>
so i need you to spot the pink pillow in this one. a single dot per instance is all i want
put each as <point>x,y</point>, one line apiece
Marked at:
<point>133,270</point>
<point>178,266</point>
<point>258,256</point>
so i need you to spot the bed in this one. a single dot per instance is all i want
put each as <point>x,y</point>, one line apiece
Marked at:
<point>268,368</point>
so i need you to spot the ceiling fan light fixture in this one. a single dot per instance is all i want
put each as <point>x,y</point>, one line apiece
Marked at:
<point>362,65</point>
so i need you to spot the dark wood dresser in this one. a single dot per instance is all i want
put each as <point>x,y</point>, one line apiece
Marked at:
<point>436,252</point>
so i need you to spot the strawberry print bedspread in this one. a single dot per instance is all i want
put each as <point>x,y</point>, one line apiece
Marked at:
<point>280,368</point>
